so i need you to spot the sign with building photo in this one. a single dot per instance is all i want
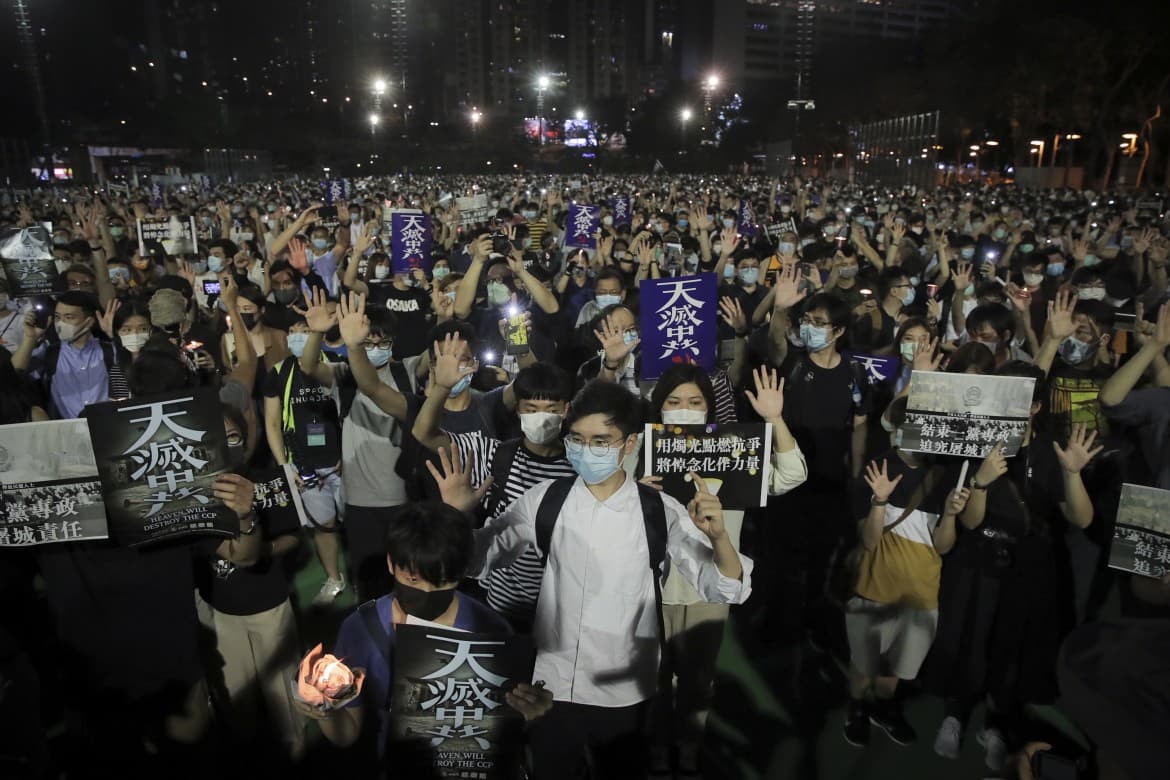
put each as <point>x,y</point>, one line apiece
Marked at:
<point>49,487</point>
<point>158,457</point>
<point>448,714</point>
<point>474,210</point>
<point>678,322</point>
<point>178,237</point>
<point>965,414</point>
<point>1141,535</point>
<point>26,255</point>
<point>733,460</point>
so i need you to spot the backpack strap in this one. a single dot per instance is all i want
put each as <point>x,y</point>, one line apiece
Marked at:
<point>373,624</point>
<point>654,520</point>
<point>548,512</point>
<point>502,461</point>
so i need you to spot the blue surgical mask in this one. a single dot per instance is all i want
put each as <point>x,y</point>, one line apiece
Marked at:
<point>594,469</point>
<point>787,248</point>
<point>1000,234</point>
<point>1027,248</point>
<point>908,298</point>
<point>629,337</point>
<point>683,224</point>
<point>607,300</point>
<point>214,264</point>
<point>1054,269</point>
<point>729,271</point>
<point>380,357</point>
<point>440,273</point>
<point>728,223</point>
<point>117,231</point>
<point>749,275</point>
<point>460,386</point>
<point>320,244</point>
<point>1091,259</point>
<point>967,252</point>
<point>1074,351</point>
<point>297,342</point>
<point>120,273</point>
<point>528,214</point>
<point>814,338</point>
<point>969,290</point>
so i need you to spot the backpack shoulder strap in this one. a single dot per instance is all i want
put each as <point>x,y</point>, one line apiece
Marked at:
<point>654,519</point>
<point>401,377</point>
<point>378,635</point>
<point>548,511</point>
<point>502,461</point>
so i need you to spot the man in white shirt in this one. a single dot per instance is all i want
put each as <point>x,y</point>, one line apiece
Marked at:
<point>597,628</point>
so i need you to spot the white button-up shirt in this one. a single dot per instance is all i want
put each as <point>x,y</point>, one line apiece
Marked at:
<point>596,626</point>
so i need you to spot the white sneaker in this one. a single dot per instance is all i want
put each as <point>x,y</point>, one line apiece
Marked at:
<point>994,749</point>
<point>329,591</point>
<point>949,738</point>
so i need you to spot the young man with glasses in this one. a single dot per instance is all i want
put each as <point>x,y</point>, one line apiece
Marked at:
<point>598,626</point>
<point>874,331</point>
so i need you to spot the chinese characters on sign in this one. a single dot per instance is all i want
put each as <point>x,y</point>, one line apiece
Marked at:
<point>49,488</point>
<point>411,239</point>
<point>473,210</point>
<point>582,225</point>
<point>27,257</point>
<point>965,415</point>
<point>746,219</point>
<point>449,715</point>
<point>621,209</point>
<point>157,458</point>
<point>1141,537</point>
<point>176,237</point>
<point>878,369</point>
<point>678,322</point>
<point>734,460</point>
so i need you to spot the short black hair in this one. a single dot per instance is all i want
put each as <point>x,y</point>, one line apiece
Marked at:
<point>463,330</point>
<point>836,308</point>
<point>622,408</point>
<point>889,276</point>
<point>682,374</point>
<point>382,321</point>
<point>82,300</point>
<point>431,540</point>
<point>609,272</point>
<point>159,368</point>
<point>1098,311</point>
<point>971,355</point>
<point>999,317</point>
<point>543,382</point>
<point>226,244</point>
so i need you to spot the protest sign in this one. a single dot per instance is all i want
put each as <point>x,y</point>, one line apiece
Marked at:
<point>474,210</point>
<point>581,226</point>
<point>747,219</point>
<point>448,715</point>
<point>27,257</point>
<point>777,229</point>
<point>177,237</point>
<point>732,459</point>
<point>965,414</point>
<point>410,242</point>
<point>678,322</point>
<point>1141,535</point>
<point>157,458</point>
<point>620,206</point>
<point>275,495</point>
<point>878,368</point>
<point>335,190</point>
<point>49,488</point>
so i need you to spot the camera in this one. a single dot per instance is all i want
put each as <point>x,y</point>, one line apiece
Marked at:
<point>501,245</point>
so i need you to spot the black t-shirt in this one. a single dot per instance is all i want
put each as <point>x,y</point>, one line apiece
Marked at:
<point>412,307</point>
<point>866,338</point>
<point>748,300</point>
<point>313,434</point>
<point>942,482</point>
<point>819,407</point>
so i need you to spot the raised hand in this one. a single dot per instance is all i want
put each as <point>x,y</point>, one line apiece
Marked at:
<point>878,478</point>
<point>613,341</point>
<point>454,481</point>
<point>229,291</point>
<point>316,311</point>
<point>768,399</point>
<point>352,320</point>
<point>446,371</point>
<point>297,256</point>
<point>787,289</point>
<point>927,357</point>
<point>732,313</point>
<point>706,510</point>
<point>1079,451</point>
<point>106,318</point>
<point>730,239</point>
<point>993,466</point>
<point>1060,315</point>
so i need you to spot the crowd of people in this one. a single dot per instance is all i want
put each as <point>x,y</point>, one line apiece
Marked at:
<point>449,476</point>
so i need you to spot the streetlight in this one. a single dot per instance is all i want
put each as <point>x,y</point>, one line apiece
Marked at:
<point>475,119</point>
<point>684,117</point>
<point>542,84</point>
<point>1039,152</point>
<point>580,115</point>
<point>379,87</point>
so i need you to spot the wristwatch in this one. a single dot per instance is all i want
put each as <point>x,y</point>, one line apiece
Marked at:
<point>976,486</point>
<point>251,528</point>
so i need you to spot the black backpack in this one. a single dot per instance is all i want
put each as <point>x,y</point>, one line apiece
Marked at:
<point>653,520</point>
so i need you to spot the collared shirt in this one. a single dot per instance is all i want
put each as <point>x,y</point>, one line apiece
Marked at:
<point>80,378</point>
<point>596,627</point>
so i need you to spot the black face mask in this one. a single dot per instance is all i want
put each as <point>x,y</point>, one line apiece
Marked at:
<point>423,604</point>
<point>287,295</point>
<point>235,457</point>
<point>249,320</point>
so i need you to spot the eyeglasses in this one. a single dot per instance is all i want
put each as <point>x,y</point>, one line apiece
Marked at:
<point>235,440</point>
<point>807,320</point>
<point>387,344</point>
<point>598,446</point>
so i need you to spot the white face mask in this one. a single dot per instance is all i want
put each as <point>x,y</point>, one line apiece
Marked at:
<point>68,332</point>
<point>133,342</point>
<point>684,417</point>
<point>381,271</point>
<point>541,427</point>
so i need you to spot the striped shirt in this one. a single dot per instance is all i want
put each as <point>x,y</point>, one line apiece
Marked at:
<point>511,591</point>
<point>725,413</point>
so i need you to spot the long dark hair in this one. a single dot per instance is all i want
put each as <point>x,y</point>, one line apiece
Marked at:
<point>17,401</point>
<point>682,374</point>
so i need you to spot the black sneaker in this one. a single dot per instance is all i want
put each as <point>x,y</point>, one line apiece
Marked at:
<point>888,717</point>
<point>857,724</point>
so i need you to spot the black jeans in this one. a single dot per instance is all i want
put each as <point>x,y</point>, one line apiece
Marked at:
<point>614,737</point>
<point>365,534</point>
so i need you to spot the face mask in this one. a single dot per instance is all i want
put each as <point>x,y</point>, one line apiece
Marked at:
<point>749,275</point>
<point>119,274</point>
<point>206,221</point>
<point>297,342</point>
<point>379,356</point>
<point>460,386</point>
<point>1074,351</point>
<point>60,240</point>
<point>848,271</point>
<point>659,228</point>
<point>967,252</point>
<point>605,301</point>
<point>286,295</point>
<point>908,298</point>
<point>717,249</point>
<point>829,231</point>
<point>271,208</point>
<point>1000,234</point>
<point>1091,293</point>
<point>199,267</point>
<point>729,271</point>
<point>785,209</point>
<point>1027,248</point>
<point>594,469</point>
<point>684,417</point>
<point>133,342</point>
<point>381,271</point>
<point>117,231</point>
<point>440,273</point>
<point>541,427</point>
<point>497,294</point>
<point>68,332</point>
<point>683,224</point>
<point>787,248</point>
<point>1054,269</point>
<point>607,220</point>
<point>976,225</point>
<point>248,320</point>
<point>1126,242</point>
<point>214,264</point>
<point>451,294</point>
<point>620,254</point>
<point>1091,259</point>
<point>423,604</point>
<point>235,456</point>
<point>969,290</point>
<point>1033,280</point>
<point>728,223</point>
<point>907,349</point>
<point>917,230</point>
<point>629,337</point>
<point>247,235</point>
<point>320,244</point>
<point>813,337</point>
